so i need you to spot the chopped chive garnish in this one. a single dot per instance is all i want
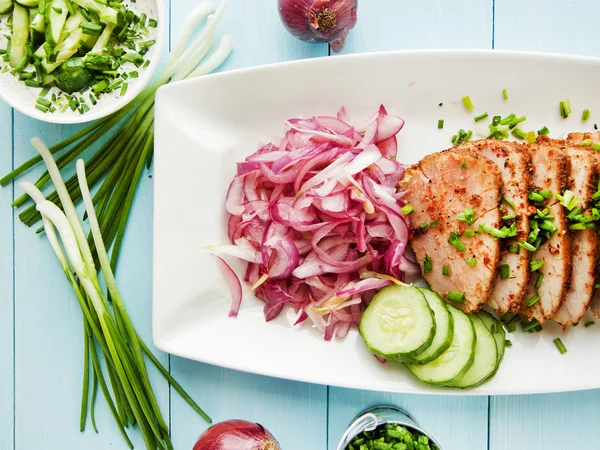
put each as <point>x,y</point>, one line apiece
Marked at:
<point>471,261</point>
<point>470,233</point>
<point>514,248</point>
<point>536,264</point>
<point>565,108</point>
<point>146,64</point>
<point>41,108</point>
<point>423,225</point>
<point>527,246</point>
<point>568,200</point>
<point>560,346</point>
<point>44,91</point>
<point>507,343</point>
<point>589,324</point>
<point>511,325</point>
<point>504,271</point>
<point>468,103</point>
<point>456,296</point>
<point>509,216</point>
<point>481,117</point>
<point>538,282</point>
<point>531,325</point>
<point>509,202</point>
<point>123,89</point>
<point>519,134</point>
<point>536,197</point>
<point>467,216</point>
<point>463,165</point>
<point>446,271</point>
<point>91,28</point>
<point>494,231</point>
<point>504,94</point>
<point>531,137</point>
<point>427,265</point>
<point>533,300</point>
<point>152,23</point>
<point>546,193</point>
<point>407,209</point>
<point>42,101</point>
<point>585,115</point>
<point>134,74</point>
<point>543,131</point>
<point>57,10</point>
<point>454,240</point>
<point>586,143</point>
<point>596,146</point>
<point>440,124</point>
<point>435,223</point>
<point>516,121</point>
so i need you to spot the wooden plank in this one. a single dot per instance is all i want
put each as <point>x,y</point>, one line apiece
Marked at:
<point>294,412</point>
<point>6,285</point>
<point>405,25</point>
<point>402,25</point>
<point>49,347</point>
<point>540,421</point>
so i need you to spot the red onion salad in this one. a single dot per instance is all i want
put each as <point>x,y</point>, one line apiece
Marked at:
<point>318,219</point>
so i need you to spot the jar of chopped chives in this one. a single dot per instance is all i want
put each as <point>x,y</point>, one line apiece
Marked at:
<point>386,428</point>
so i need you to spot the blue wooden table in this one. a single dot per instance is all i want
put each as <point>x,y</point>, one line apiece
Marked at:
<point>40,326</point>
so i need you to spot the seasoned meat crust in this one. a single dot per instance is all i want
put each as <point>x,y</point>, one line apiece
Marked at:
<point>440,187</point>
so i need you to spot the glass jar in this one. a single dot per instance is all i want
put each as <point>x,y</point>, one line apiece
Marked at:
<point>373,417</point>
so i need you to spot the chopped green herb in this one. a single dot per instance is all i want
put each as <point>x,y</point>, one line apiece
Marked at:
<point>586,143</point>
<point>514,248</point>
<point>463,166</point>
<point>435,223</point>
<point>456,296</point>
<point>423,225</point>
<point>531,137</point>
<point>123,89</point>
<point>469,233</point>
<point>440,124</point>
<point>543,131</point>
<point>152,23</point>
<point>509,216</point>
<point>481,117</point>
<point>536,264</point>
<point>589,324</point>
<point>504,94</point>
<point>509,202</point>
<point>565,108</point>
<point>508,343</point>
<point>494,231</point>
<point>538,282</point>
<point>407,209</point>
<point>568,200</point>
<point>504,271</point>
<point>454,240</point>
<point>585,115</point>
<point>427,265</point>
<point>560,346</point>
<point>467,216</point>
<point>527,246</point>
<point>531,325</point>
<point>468,104</point>
<point>446,271</point>
<point>536,197</point>
<point>533,300</point>
<point>471,261</point>
<point>519,134</point>
<point>596,146</point>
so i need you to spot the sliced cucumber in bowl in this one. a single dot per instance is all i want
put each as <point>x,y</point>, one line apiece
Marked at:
<point>485,358</point>
<point>6,6</point>
<point>398,324</point>
<point>451,365</point>
<point>444,328</point>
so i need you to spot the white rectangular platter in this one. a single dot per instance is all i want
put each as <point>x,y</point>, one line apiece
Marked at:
<point>204,126</point>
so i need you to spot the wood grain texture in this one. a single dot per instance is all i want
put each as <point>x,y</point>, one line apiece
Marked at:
<point>400,25</point>
<point>6,286</point>
<point>405,24</point>
<point>544,421</point>
<point>294,412</point>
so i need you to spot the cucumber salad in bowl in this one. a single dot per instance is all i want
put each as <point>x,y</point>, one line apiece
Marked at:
<point>75,60</point>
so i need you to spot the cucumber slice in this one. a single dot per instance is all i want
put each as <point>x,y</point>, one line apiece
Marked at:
<point>497,331</point>
<point>451,365</point>
<point>398,323</point>
<point>56,16</point>
<point>28,3</point>
<point>444,328</point>
<point>20,36</point>
<point>6,6</point>
<point>486,356</point>
<point>37,28</point>
<point>71,25</point>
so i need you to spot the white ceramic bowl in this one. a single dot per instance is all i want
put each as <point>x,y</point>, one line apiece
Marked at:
<point>22,98</point>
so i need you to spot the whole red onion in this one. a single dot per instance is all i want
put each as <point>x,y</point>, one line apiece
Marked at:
<point>236,435</point>
<point>319,20</point>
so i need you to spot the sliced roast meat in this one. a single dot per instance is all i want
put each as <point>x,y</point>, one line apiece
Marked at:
<point>551,168</point>
<point>514,163</point>
<point>440,187</point>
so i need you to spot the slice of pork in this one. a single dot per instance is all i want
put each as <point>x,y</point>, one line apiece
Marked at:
<point>441,186</point>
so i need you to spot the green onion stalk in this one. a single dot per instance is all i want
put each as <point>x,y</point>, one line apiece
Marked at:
<point>117,166</point>
<point>116,169</point>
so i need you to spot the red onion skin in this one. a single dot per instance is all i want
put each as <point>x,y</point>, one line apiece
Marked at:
<point>319,20</point>
<point>236,435</point>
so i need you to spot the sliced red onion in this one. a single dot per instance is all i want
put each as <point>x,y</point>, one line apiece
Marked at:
<point>314,212</point>
<point>233,282</point>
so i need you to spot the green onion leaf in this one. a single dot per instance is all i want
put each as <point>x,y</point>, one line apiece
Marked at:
<point>565,108</point>
<point>504,94</point>
<point>471,261</point>
<point>456,296</point>
<point>543,131</point>
<point>585,115</point>
<point>446,271</point>
<point>467,216</point>
<point>440,124</point>
<point>586,143</point>
<point>589,324</point>
<point>481,117</point>
<point>504,271</point>
<point>560,346</point>
<point>469,233</point>
<point>427,265</point>
<point>536,264</point>
<point>468,104</point>
<point>454,240</point>
<point>407,209</point>
<point>527,246</point>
